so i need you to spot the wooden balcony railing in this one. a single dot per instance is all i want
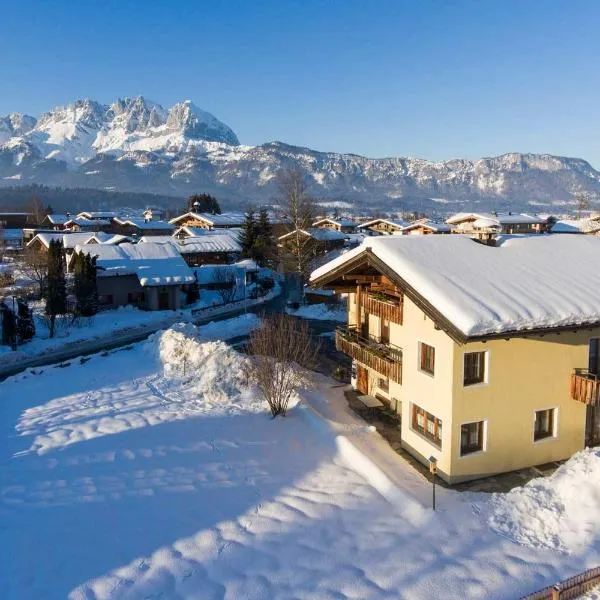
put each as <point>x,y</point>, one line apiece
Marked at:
<point>385,359</point>
<point>390,310</point>
<point>585,387</point>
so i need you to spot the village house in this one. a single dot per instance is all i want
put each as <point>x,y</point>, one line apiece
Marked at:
<point>490,353</point>
<point>68,239</point>
<point>383,226</point>
<point>508,223</point>
<point>317,240</point>
<point>84,224</point>
<point>14,220</point>
<point>426,227</point>
<point>586,225</point>
<point>208,221</point>
<point>141,227</point>
<point>56,222</point>
<point>148,275</point>
<point>343,225</point>
<point>212,249</point>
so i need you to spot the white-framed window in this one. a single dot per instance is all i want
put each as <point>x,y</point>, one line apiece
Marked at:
<point>473,437</point>
<point>475,368</point>
<point>426,358</point>
<point>545,424</point>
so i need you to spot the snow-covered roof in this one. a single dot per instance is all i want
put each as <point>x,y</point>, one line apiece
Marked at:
<point>322,235</point>
<point>526,282</point>
<point>209,243</point>
<point>393,222</point>
<point>142,224</point>
<point>85,222</point>
<point>484,223</point>
<point>339,222</point>
<point>153,264</point>
<point>98,214</point>
<point>100,237</point>
<point>434,226</point>
<point>501,219</point>
<point>576,226</point>
<point>208,273</point>
<point>58,219</point>
<point>69,240</point>
<point>222,220</point>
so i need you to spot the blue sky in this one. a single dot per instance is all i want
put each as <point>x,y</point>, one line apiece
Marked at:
<point>433,79</point>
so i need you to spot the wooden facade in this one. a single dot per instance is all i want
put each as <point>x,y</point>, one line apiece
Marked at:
<point>382,358</point>
<point>585,387</point>
<point>390,310</point>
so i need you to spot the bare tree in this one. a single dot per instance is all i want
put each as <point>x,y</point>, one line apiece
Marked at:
<point>38,212</point>
<point>281,350</point>
<point>34,266</point>
<point>300,209</point>
<point>225,281</point>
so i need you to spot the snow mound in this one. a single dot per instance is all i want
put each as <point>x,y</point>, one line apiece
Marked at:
<point>212,371</point>
<point>320,312</point>
<point>559,512</point>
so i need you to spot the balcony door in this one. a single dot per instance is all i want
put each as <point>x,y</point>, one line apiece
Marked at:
<point>594,356</point>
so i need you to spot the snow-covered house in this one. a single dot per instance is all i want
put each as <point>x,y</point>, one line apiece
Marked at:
<point>491,354</point>
<point>383,226</point>
<point>68,239</point>
<point>343,225</point>
<point>102,215</point>
<point>89,225</point>
<point>508,223</point>
<point>320,240</point>
<point>55,221</point>
<point>426,227</point>
<point>214,249</point>
<point>142,227</point>
<point>208,221</point>
<point>587,225</point>
<point>152,276</point>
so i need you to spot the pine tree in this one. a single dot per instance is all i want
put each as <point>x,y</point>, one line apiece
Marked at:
<point>264,248</point>
<point>85,286</point>
<point>91,272</point>
<point>247,237</point>
<point>203,203</point>
<point>56,300</point>
<point>25,323</point>
<point>9,325</point>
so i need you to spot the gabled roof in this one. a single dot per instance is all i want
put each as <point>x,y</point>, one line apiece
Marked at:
<point>434,226</point>
<point>148,225</point>
<point>501,219</point>
<point>153,264</point>
<point>98,214</point>
<point>321,235</point>
<point>339,222</point>
<point>526,283</point>
<point>222,220</point>
<point>68,240</point>
<point>58,219</point>
<point>85,222</point>
<point>399,223</point>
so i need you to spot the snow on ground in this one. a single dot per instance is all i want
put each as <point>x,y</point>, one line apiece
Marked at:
<point>559,512</point>
<point>321,312</point>
<point>121,477</point>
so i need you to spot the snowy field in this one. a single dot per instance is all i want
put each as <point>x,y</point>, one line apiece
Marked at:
<point>122,478</point>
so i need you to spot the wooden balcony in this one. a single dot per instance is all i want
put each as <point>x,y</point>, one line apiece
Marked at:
<point>385,359</point>
<point>390,310</point>
<point>585,387</point>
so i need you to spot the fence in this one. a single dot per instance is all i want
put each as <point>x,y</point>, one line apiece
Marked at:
<point>569,588</point>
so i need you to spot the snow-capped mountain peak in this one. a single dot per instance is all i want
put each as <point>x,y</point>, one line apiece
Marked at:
<point>198,124</point>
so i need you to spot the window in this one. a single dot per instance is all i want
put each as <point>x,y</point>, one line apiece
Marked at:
<point>474,368</point>
<point>384,384</point>
<point>427,425</point>
<point>427,360</point>
<point>544,424</point>
<point>471,437</point>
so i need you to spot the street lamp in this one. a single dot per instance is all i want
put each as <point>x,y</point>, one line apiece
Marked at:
<point>433,471</point>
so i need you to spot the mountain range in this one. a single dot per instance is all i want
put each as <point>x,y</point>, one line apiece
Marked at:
<point>135,145</point>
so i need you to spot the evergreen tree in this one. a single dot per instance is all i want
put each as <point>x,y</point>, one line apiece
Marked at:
<point>85,286</point>
<point>203,203</point>
<point>9,325</point>
<point>247,237</point>
<point>264,248</point>
<point>56,299</point>
<point>25,323</point>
